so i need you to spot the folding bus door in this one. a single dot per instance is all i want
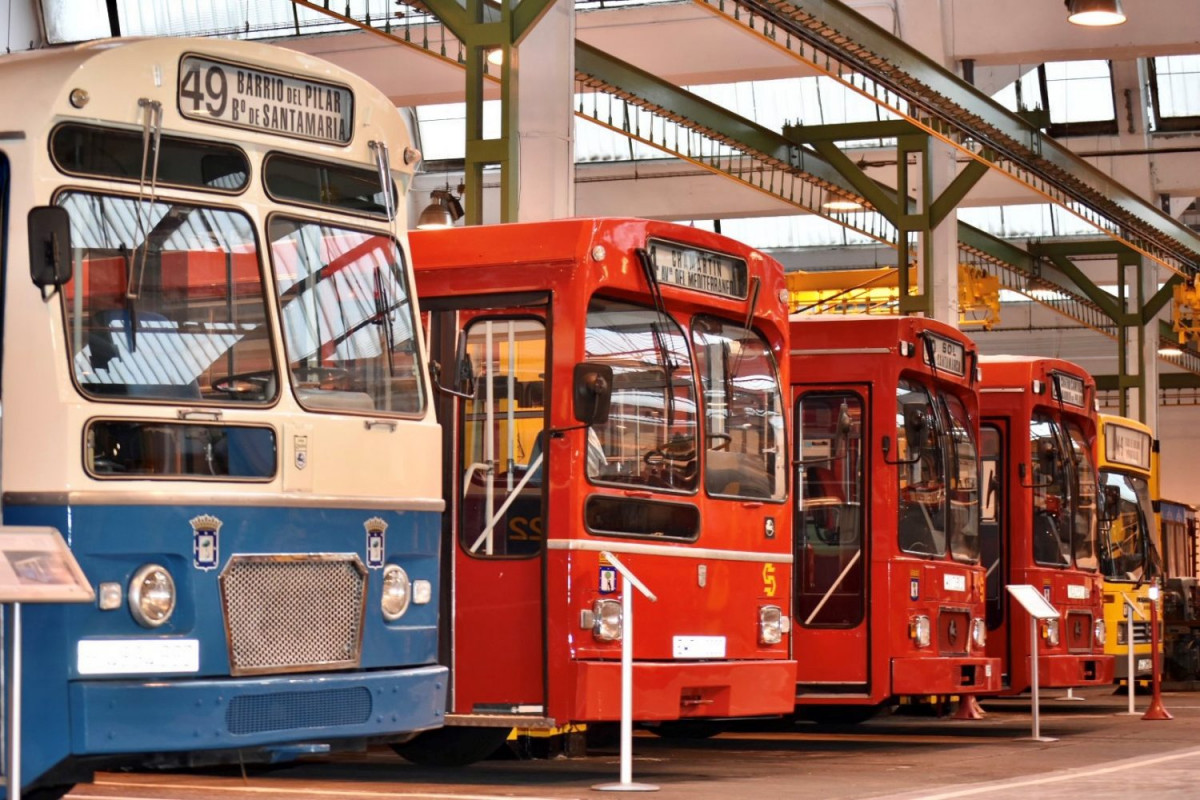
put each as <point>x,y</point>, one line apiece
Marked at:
<point>830,632</point>
<point>496,519</point>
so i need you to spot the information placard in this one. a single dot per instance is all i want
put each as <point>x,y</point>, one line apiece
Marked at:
<point>36,566</point>
<point>1032,601</point>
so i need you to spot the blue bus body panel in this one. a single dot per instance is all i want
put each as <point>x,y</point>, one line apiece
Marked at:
<point>397,687</point>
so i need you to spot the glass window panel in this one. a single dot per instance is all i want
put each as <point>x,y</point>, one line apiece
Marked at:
<point>1050,480</point>
<point>124,449</point>
<point>166,302</point>
<point>89,150</point>
<point>964,482</point>
<point>650,436</point>
<point>1126,530</point>
<point>922,472</point>
<point>1177,85</point>
<point>1079,91</point>
<point>742,411</point>
<point>1083,543</point>
<point>348,318</point>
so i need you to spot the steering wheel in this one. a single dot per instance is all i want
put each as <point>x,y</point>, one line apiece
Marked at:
<point>828,535</point>
<point>919,547</point>
<point>719,441</point>
<point>257,383</point>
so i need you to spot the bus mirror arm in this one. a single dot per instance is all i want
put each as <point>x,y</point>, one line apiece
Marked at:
<point>887,446</point>
<point>435,374</point>
<point>592,392</point>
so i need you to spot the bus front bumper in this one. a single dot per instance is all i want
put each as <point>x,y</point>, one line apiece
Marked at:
<point>168,715</point>
<point>945,675</point>
<point>679,690</point>
<point>1064,671</point>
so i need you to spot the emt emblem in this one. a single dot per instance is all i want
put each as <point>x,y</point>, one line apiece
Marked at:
<point>376,528</point>
<point>205,549</point>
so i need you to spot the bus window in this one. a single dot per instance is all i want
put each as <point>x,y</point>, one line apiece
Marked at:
<point>922,509</point>
<point>964,483</point>
<point>124,449</point>
<point>742,414</point>
<point>502,448</point>
<point>1051,495</point>
<point>650,436</point>
<point>992,521</point>
<point>829,511</point>
<point>166,302</point>
<point>1125,534</point>
<point>347,319</point>
<point>1083,543</point>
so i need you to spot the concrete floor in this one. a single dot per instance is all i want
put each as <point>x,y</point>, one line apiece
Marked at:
<point>1100,752</point>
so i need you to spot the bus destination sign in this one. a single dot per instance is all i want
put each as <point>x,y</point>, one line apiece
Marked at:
<point>1067,389</point>
<point>948,356</point>
<point>1127,446</point>
<point>698,270</point>
<point>261,100</point>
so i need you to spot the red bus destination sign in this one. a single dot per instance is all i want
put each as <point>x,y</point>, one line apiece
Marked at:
<point>698,270</point>
<point>261,100</point>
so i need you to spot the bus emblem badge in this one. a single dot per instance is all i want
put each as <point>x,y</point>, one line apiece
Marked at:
<point>375,530</point>
<point>769,528</point>
<point>914,589</point>
<point>205,550</point>
<point>608,579</point>
<point>300,444</point>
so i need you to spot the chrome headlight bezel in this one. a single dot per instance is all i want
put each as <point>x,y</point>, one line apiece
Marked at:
<point>152,595</point>
<point>1100,632</point>
<point>1050,632</point>
<point>608,623</point>
<point>395,595</point>
<point>920,630</point>
<point>770,625</point>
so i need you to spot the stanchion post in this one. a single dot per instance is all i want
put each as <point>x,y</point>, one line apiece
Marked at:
<point>13,778</point>
<point>1130,609</point>
<point>1039,608</point>
<point>1156,710</point>
<point>630,583</point>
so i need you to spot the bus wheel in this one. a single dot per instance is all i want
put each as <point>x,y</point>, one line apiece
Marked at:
<point>837,715</point>
<point>686,729</point>
<point>452,746</point>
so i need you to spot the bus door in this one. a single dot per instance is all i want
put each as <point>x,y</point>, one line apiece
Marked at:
<point>830,523</point>
<point>992,542</point>
<point>496,461</point>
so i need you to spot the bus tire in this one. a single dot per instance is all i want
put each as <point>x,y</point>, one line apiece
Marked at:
<point>452,746</point>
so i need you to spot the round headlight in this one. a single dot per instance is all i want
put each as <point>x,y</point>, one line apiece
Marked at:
<point>396,592</point>
<point>607,620</point>
<point>979,633</point>
<point>152,595</point>
<point>1101,631</point>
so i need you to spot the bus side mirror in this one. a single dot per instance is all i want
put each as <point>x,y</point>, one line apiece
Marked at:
<point>1112,503</point>
<point>593,392</point>
<point>49,246</point>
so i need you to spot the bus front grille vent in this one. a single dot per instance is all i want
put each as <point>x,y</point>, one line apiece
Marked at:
<point>293,613</point>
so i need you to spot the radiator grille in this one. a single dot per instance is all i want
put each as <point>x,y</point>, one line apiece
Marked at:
<point>1079,632</point>
<point>260,713</point>
<point>954,632</point>
<point>293,613</point>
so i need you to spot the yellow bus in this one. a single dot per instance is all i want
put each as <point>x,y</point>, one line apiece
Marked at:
<point>1130,559</point>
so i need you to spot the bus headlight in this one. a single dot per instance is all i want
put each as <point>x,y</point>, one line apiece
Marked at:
<point>396,592</point>
<point>151,596</point>
<point>1050,632</point>
<point>607,625</point>
<point>1100,629</point>
<point>979,633</point>
<point>920,631</point>
<point>770,625</point>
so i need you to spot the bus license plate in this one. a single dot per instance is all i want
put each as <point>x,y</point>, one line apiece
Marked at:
<point>1143,665</point>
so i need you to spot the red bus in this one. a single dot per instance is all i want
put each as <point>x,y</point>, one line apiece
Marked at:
<point>1040,519</point>
<point>684,482</point>
<point>889,586</point>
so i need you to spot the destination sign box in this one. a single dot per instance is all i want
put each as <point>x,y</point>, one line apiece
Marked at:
<point>1067,389</point>
<point>261,100</point>
<point>948,355</point>
<point>1126,446</point>
<point>699,270</point>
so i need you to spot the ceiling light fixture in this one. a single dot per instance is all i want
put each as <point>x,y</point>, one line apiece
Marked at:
<point>1095,13</point>
<point>841,204</point>
<point>443,210</point>
<point>1170,351</point>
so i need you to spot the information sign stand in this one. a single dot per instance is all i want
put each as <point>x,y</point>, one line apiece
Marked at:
<point>36,566</point>
<point>1131,608</point>
<point>631,583</point>
<point>1039,608</point>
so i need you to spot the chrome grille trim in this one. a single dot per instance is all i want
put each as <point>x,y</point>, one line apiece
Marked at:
<point>294,612</point>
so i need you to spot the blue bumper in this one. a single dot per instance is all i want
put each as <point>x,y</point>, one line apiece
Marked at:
<point>110,717</point>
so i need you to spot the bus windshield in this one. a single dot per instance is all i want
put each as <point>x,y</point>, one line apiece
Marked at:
<point>922,472</point>
<point>742,411</point>
<point>1083,536</point>
<point>348,318</point>
<point>166,301</point>
<point>1052,496</point>
<point>650,436</point>
<point>1127,554</point>
<point>964,482</point>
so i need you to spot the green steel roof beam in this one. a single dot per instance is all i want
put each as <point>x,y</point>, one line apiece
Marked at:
<point>1160,299</point>
<point>1090,290</point>
<point>953,194</point>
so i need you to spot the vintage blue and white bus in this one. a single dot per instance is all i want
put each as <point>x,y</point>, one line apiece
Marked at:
<point>215,389</point>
